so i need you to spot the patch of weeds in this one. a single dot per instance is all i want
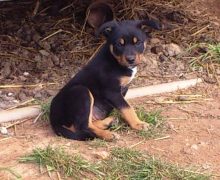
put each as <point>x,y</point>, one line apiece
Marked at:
<point>96,143</point>
<point>156,121</point>
<point>204,54</point>
<point>126,163</point>
<point>45,107</point>
<point>154,118</point>
<point>14,173</point>
<point>123,163</point>
<point>56,159</point>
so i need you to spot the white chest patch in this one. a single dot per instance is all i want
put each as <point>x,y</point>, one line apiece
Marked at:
<point>134,71</point>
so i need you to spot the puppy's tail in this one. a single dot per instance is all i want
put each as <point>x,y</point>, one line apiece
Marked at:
<point>82,135</point>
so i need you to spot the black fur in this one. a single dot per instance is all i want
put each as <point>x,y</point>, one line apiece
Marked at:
<point>100,77</point>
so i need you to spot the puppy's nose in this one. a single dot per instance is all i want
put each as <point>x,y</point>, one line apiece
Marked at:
<point>130,59</point>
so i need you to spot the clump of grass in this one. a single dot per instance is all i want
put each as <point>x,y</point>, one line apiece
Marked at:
<point>123,163</point>
<point>56,159</point>
<point>154,118</point>
<point>45,111</point>
<point>156,121</point>
<point>14,173</point>
<point>96,143</point>
<point>205,54</point>
<point>126,163</point>
<point>45,108</point>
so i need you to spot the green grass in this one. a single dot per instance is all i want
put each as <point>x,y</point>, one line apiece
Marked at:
<point>209,55</point>
<point>123,163</point>
<point>96,143</point>
<point>126,163</point>
<point>14,173</point>
<point>56,159</point>
<point>45,107</point>
<point>154,118</point>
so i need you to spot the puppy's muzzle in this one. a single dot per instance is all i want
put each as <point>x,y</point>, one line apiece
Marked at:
<point>131,59</point>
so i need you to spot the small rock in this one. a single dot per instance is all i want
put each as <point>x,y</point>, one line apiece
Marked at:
<point>210,80</point>
<point>44,53</point>
<point>22,96</point>
<point>3,130</point>
<point>22,78</point>
<point>172,49</point>
<point>38,95</point>
<point>26,73</point>
<point>55,60</point>
<point>101,154</point>
<point>45,45</point>
<point>37,58</point>
<point>154,41</point>
<point>36,37</point>
<point>157,49</point>
<point>195,147</point>
<point>163,58</point>
<point>10,94</point>
<point>6,70</point>
<point>51,92</point>
<point>218,71</point>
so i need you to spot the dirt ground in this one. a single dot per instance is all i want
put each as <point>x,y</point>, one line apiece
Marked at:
<point>191,141</point>
<point>193,136</point>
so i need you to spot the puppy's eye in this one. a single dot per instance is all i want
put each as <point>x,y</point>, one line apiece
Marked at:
<point>136,41</point>
<point>121,42</point>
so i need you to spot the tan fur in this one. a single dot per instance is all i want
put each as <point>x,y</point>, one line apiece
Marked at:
<point>135,40</point>
<point>131,118</point>
<point>124,80</point>
<point>120,59</point>
<point>71,128</point>
<point>122,41</point>
<point>103,134</point>
<point>103,124</point>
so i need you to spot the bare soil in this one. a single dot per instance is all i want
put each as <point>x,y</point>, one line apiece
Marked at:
<point>193,136</point>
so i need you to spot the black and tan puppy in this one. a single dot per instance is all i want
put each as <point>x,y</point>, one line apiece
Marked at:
<point>79,111</point>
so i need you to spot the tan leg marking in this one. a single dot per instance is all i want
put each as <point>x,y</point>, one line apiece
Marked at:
<point>103,124</point>
<point>103,134</point>
<point>131,118</point>
<point>124,80</point>
<point>71,128</point>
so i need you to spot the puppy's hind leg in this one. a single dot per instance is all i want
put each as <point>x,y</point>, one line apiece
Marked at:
<point>100,132</point>
<point>105,123</point>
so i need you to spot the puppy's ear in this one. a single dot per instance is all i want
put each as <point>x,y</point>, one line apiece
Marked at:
<point>107,28</point>
<point>151,23</point>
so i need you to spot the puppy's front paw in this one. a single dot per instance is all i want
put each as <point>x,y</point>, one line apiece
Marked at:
<point>109,136</point>
<point>141,126</point>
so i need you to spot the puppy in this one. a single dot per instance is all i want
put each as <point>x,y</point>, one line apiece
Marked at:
<point>80,110</point>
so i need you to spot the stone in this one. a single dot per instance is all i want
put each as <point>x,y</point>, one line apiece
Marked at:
<point>195,147</point>
<point>157,49</point>
<point>154,41</point>
<point>3,130</point>
<point>22,96</point>
<point>172,49</point>
<point>10,94</point>
<point>55,60</point>
<point>163,58</point>
<point>26,73</point>
<point>101,154</point>
<point>44,52</point>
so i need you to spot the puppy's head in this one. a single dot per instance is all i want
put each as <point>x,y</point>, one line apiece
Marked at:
<point>126,40</point>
